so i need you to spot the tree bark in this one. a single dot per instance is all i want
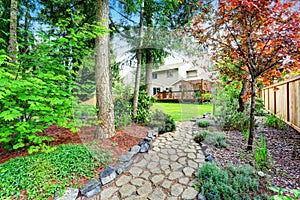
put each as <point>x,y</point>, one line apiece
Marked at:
<point>252,110</point>
<point>149,72</point>
<point>139,64</point>
<point>12,49</point>
<point>104,98</point>
<point>241,100</point>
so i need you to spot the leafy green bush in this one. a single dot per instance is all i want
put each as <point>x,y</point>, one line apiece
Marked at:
<point>145,102</point>
<point>199,137</point>
<point>259,107</point>
<point>227,114</point>
<point>122,112</point>
<point>163,121</point>
<point>221,141</point>
<point>229,182</point>
<point>215,138</point>
<point>203,124</point>
<point>206,97</point>
<point>273,121</point>
<point>35,91</point>
<point>41,174</point>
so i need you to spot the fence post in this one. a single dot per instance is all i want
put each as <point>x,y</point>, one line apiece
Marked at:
<point>288,101</point>
<point>274,90</point>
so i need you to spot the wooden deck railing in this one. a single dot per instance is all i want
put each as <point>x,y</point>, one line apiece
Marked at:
<point>283,100</point>
<point>187,95</point>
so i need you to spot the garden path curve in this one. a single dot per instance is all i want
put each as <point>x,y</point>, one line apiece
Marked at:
<point>166,172</point>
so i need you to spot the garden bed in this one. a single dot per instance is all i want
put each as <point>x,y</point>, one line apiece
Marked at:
<point>283,147</point>
<point>119,144</point>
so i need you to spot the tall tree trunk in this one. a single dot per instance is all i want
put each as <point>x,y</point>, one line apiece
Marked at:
<point>139,64</point>
<point>104,100</point>
<point>241,100</point>
<point>12,49</point>
<point>252,110</point>
<point>149,72</point>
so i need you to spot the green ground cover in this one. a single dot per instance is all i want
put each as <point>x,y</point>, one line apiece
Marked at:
<point>42,174</point>
<point>183,111</point>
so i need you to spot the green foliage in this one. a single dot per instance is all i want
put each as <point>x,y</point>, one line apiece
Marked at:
<point>144,104</point>
<point>41,174</point>
<point>203,124</point>
<point>206,97</point>
<point>273,121</point>
<point>229,182</point>
<point>122,112</point>
<point>122,105</point>
<point>199,137</point>
<point>261,154</point>
<point>163,121</point>
<point>215,138</point>
<point>281,196</point>
<point>259,107</point>
<point>35,92</point>
<point>226,102</point>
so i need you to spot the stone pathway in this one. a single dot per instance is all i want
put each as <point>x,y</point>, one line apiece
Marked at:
<point>166,172</point>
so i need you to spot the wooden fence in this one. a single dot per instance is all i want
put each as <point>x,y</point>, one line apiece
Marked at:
<point>283,99</point>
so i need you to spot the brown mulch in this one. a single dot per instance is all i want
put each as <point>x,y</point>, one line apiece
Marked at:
<point>283,148</point>
<point>119,144</point>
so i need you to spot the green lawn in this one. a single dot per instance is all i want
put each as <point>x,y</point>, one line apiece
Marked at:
<point>183,112</point>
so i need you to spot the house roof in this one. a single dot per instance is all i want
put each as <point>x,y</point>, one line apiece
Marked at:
<point>170,66</point>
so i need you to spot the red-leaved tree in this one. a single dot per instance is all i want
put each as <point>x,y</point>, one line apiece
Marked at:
<point>260,38</point>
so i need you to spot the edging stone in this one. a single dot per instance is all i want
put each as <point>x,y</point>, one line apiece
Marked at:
<point>109,174</point>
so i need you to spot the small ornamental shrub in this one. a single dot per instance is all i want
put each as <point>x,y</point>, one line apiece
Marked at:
<point>215,138</point>
<point>199,137</point>
<point>259,107</point>
<point>203,124</point>
<point>144,103</point>
<point>122,112</point>
<point>163,121</point>
<point>206,97</point>
<point>273,121</point>
<point>230,182</point>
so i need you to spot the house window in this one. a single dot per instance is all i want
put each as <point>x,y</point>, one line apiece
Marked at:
<point>154,75</point>
<point>180,87</point>
<point>169,73</point>
<point>168,89</point>
<point>156,90</point>
<point>192,73</point>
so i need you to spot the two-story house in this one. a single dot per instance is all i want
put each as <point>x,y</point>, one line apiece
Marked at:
<point>177,77</point>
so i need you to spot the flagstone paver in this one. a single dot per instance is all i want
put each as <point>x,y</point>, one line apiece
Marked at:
<point>166,172</point>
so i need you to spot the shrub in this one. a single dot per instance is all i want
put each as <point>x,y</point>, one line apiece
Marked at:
<point>35,91</point>
<point>122,112</point>
<point>163,121</point>
<point>215,138</point>
<point>199,137</point>
<point>259,107</point>
<point>203,124</point>
<point>229,182</point>
<point>42,174</point>
<point>273,121</point>
<point>221,141</point>
<point>226,103</point>
<point>206,97</point>
<point>144,103</point>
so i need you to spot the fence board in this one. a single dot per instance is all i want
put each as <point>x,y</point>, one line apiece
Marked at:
<point>283,99</point>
